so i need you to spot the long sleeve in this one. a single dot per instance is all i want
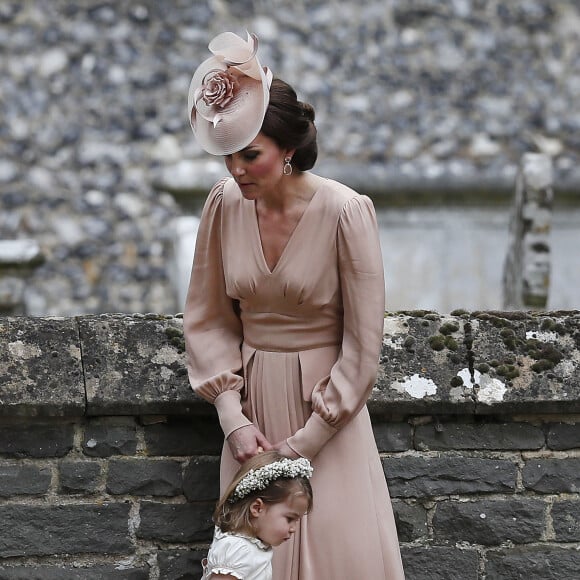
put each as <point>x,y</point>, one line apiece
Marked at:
<point>211,325</point>
<point>341,395</point>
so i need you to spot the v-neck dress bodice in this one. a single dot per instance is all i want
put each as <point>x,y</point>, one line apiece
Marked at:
<point>294,350</point>
<point>296,305</point>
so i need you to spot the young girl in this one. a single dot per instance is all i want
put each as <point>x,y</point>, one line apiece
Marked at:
<point>260,509</point>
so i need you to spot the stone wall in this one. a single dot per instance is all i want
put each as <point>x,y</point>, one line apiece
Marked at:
<point>417,96</point>
<point>109,463</point>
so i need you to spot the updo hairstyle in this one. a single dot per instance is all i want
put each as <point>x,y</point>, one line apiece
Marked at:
<point>290,123</point>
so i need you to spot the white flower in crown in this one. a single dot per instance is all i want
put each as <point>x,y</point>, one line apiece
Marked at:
<point>259,479</point>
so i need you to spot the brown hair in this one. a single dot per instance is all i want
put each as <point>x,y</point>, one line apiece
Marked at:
<point>234,516</point>
<point>290,123</point>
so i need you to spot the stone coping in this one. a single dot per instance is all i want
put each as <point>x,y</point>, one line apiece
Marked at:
<point>464,363</point>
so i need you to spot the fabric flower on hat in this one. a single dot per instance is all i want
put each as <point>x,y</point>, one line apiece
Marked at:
<point>228,94</point>
<point>219,88</point>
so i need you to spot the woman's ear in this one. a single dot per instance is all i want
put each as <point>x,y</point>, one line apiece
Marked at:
<point>257,507</point>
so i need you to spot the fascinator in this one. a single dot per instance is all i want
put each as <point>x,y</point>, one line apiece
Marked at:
<point>228,95</point>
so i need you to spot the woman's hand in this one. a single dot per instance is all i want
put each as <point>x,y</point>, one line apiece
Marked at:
<point>246,442</point>
<point>284,449</point>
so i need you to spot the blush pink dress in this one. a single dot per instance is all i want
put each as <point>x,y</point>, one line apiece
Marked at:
<point>295,350</point>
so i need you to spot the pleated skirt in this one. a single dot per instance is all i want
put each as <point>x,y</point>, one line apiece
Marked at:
<point>350,532</point>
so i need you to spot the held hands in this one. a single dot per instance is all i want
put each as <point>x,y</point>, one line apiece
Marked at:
<point>246,442</point>
<point>284,449</point>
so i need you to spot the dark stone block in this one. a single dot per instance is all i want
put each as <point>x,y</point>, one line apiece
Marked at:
<point>563,436</point>
<point>24,480</point>
<point>191,436</point>
<point>41,371</point>
<point>79,476</point>
<point>144,477</point>
<point>55,573</point>
<point>428,477</point>
<point>443,436</point>
<point>27,530</point>
<point>411,520</point>
<point>201,480</point>
<point>537,563</point>
<point>566,521</point>
<point>392,437</point>
<point>181,564</point>
<point>490,522</point>
<point>552,475</point>
<point>439,563</point>
<point>36,441</point>
<point>176,522</point>
<point>109,436</point>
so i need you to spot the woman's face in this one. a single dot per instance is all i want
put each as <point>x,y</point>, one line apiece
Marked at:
<point>257,168</point>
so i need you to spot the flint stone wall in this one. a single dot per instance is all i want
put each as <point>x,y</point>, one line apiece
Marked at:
<point>412,97</point>
<point>109,462</point>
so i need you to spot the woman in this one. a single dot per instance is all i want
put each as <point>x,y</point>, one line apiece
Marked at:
<point>284,314</point>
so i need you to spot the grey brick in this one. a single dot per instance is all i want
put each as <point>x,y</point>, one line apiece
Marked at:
<point>106,437</point>
<point>536,563</point>
<point>411,520</point>
<point>56,573</point>
<point>144,477</point>
<point>176,522</point>
<point>24,480</point>
<point>566,521</point>
<point>427,477</point>
<point>392,437</point>
<point>195,436</point>
<point>564,436</point>
<point>180,564</point>
<point>27,530</point>
<point>479,436</point>
<point>79,476</point>
<point>36,441</point>
<point>552,475</point>
<point>490,522</point>
<point>201,479</point>
<point>439,563</point>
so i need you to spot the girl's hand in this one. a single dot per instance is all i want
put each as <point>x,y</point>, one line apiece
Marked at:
<point>284,449</point>
<point>246,442</point>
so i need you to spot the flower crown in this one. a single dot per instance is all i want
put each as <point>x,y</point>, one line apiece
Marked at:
<point>258,479</point>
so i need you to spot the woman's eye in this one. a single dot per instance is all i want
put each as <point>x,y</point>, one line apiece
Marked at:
<point>250,155</point>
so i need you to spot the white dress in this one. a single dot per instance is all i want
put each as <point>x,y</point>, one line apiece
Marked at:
<point>241,556</point>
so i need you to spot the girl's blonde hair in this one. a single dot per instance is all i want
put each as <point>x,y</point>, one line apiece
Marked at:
<point>233,515</point>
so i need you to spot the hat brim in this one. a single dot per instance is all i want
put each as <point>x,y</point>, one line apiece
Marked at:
<point>240,121</point>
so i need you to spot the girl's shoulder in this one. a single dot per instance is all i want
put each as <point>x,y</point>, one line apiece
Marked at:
<point>238,555</point>
<point>241,539</point>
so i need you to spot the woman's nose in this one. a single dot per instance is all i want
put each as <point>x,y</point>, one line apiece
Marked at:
<point>238,169</point>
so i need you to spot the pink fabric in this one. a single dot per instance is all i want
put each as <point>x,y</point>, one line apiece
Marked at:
<point>300,344</point>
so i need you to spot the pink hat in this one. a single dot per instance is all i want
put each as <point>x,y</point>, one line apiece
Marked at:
<point>228,95</point>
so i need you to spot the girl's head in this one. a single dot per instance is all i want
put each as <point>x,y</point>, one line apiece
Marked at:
<point>267,497</point>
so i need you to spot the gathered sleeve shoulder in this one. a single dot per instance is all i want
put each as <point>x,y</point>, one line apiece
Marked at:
<point>341,395</point>
<point>211,326</point>
<point>230,556</point>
